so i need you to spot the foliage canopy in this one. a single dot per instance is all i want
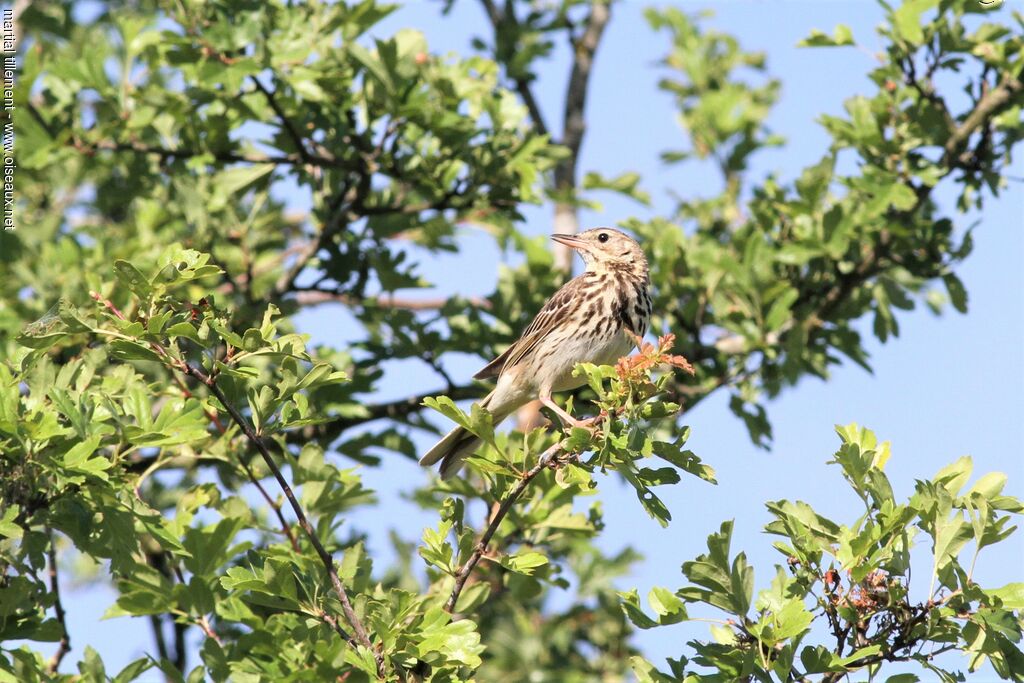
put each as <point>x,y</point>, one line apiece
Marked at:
<point>160,415</point>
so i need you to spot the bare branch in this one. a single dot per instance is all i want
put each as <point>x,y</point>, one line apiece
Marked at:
<point>574,123</point>
<point>156,622</point>
<point>180,653</point>
<point>391,410</point>
<point>318,296</point>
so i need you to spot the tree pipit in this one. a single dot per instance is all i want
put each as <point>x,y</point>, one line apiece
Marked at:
<point>593,318</point>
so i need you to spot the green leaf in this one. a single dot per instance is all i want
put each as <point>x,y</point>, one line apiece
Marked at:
<point>953,476</point>
<point>630,602</point>
<point>134,670</point>
<point>78,459</point>
<point>666,605</point>
<point>123,349</point>
<point>8,528</point>
<point>907,19</point>
<point>779,312</point>
<point>647,673</point>
<point>524,562</point>
<point>472,597</point>
<point>957,292</point>
<point>132,278</point>
<point>840,37</point>
<point>1011,595</point>
<point>232,180</point>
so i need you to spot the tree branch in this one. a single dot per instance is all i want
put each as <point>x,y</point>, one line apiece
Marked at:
<point>64,645</point>
<point>313,297</point>
<point>166,153</point>
<point>180,654</point>
<point>988,106</point>
<point>521,83</point>
<point>201,621</point>
<point>286,124</point>
<point>361,637</point>
<point>156,622</point>
<point>574,125</point>
<point>391,410</point>
<point>547,458</point>
<point>286,528</point>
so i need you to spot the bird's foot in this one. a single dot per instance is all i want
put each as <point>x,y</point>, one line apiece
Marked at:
<point>568,420</point>
<point>589,424</point>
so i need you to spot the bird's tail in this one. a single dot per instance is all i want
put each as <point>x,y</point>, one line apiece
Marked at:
<point>459,444</point>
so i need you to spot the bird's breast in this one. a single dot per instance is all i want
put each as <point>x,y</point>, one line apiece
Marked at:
<point>605,315</point>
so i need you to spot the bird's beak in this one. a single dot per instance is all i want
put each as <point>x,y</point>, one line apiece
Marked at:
<point>571,241</point>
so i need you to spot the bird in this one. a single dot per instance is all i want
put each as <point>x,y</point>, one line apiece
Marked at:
<point>595,317</point>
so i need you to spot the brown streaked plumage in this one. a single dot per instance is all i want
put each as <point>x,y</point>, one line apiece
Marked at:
<point>591,319</point>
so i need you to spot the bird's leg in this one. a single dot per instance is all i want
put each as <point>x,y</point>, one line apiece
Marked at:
<point>566,418</point>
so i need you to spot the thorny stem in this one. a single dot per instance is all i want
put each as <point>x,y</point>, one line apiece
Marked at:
<point>65,638</point>
<point>546,459</point>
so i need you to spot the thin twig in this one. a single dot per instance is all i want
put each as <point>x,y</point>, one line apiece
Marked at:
<point>286,123</point>
<point>286,528</point>
<point>497,17</point>
<point>215,419</point>
<point>65,638</point>
<point>313,297</point>
<point>201,621</point>
<point>462,575</point>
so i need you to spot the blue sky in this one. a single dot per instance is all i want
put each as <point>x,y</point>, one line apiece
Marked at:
<point>948,386</point>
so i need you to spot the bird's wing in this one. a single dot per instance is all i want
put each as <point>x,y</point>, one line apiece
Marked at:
<point>550,316</point>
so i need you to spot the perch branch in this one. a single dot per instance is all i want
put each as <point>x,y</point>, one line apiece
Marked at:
<point>546,459</point>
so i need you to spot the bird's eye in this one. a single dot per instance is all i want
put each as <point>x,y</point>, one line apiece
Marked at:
<point>603,237</point>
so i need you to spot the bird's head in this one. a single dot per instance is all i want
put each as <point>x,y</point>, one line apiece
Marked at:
<point>607,249</point>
